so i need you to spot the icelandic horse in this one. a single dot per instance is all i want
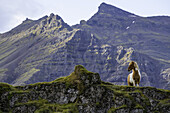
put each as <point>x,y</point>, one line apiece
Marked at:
<point>134,77</point>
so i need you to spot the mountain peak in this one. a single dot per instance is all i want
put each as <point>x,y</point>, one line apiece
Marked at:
<point>27,20</point>
<point>106,5</point>
<point>52,14</point>
<point>110,9</point>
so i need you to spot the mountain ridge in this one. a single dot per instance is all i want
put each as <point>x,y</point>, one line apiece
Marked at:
<point>50,48</point>
<point>110,9</point>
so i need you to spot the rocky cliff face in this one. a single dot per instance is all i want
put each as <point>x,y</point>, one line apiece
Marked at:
<point>82,91</point>
<point>48,48</point>
<point>118,27</point>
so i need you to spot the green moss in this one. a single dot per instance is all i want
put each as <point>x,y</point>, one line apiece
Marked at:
<point>35,102</point>
<point>64,108</point>
<point>164,90</point>
<point>97,103</point>
<point>106,84</point>
<point>138,106</point>
<point>165,102</point>
<point>113,109</point>
<point>4,87</point>
<point>69,107</point>
<point>61,79</point>
<point>16,92</point>
<point>40,83</point>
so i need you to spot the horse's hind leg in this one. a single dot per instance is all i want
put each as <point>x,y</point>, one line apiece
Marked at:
<point>138,83</point>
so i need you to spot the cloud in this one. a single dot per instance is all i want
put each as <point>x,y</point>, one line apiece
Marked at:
<point>13,12</point>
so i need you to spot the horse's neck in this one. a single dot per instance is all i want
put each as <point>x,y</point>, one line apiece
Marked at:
<point>136,73</point>
<point>135,70</point>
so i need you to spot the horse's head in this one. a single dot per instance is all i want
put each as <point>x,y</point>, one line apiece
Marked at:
<point>132,65</point>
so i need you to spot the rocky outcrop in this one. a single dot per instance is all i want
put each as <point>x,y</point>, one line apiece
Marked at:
<point>82,91</point>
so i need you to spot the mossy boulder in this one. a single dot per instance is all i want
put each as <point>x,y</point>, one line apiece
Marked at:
<point>80,78</point>
<point>87,77</point>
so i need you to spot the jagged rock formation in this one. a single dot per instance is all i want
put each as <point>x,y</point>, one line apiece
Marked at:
<point>45,49</point>
<point>84,92</point>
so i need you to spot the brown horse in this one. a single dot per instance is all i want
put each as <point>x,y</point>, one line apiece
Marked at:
<point>134,77</point>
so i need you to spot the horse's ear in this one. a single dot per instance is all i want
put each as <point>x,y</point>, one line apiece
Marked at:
<point>133,62</point>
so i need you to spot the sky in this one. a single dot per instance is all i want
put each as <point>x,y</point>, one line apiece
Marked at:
<point>13,12</point>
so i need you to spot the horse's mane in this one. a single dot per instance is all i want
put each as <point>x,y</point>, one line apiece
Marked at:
<point>136,65</point>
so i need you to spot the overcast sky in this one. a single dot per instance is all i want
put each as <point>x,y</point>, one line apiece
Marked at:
<point>13,12</point>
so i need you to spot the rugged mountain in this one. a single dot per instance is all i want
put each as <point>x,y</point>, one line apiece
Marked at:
<point>48,48</point>
<point>149,35</point>
<point>82,92</point>
<point>24,49</point>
